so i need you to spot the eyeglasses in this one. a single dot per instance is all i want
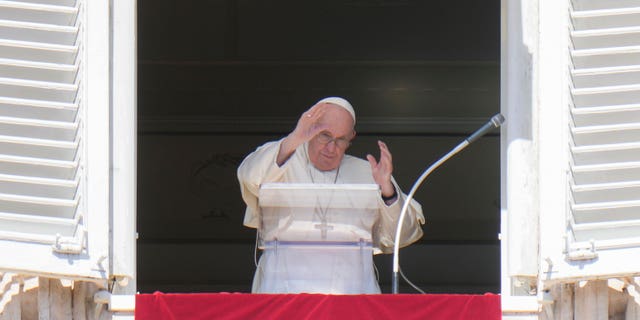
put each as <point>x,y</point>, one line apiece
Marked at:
<point>326,138</point>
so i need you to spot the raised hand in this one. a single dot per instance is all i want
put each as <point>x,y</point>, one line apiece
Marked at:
<point>382,170</point>
<point>308,127</point>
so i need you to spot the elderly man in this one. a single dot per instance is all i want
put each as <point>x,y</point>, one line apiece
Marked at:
<point>314,152</point>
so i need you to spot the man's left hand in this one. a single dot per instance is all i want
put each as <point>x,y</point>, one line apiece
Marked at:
<point>382,170</point>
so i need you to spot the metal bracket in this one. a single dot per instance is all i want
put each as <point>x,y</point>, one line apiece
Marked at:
<point>583,252</point>
<point>69,245</point>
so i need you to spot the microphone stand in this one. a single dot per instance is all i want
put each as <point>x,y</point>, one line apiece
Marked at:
<point>495,122</point>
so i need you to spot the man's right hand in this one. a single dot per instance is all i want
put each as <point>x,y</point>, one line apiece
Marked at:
<point>308,127</point>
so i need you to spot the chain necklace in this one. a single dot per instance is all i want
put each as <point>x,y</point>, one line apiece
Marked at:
<point>321,212</point>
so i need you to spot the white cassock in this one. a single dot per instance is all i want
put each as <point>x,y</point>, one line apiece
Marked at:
<point>321,271</point>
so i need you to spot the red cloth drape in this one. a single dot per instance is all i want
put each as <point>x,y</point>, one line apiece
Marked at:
<point>196,306</point>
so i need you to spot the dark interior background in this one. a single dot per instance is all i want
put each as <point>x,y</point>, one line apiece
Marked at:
<point>217,78</point>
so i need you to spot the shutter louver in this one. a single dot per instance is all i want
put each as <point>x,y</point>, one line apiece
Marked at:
<point>605,127</point>
<point>41,127</point>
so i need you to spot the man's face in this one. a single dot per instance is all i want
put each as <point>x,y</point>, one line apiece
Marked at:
<point>327,148</point>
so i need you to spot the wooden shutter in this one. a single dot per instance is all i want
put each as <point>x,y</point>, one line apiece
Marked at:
<point>604,112</point>
<point>45,214</point>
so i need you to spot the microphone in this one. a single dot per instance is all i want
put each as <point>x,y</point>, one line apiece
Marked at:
<point>495,122</point>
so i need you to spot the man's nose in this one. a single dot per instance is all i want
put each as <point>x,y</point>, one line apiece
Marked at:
<point>331,146</point>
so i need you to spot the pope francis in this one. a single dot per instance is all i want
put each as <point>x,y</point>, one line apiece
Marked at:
<point>314,152</point>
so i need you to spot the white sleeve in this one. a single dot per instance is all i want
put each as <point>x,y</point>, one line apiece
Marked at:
<point>387,225</point>
<point>257,168</point>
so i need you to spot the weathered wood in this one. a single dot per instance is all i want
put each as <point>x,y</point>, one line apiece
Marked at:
<point>565,308</point>
<point>29,299</point>
<point>10,308</point>
<point>33,298</point>
<point>632,312</point>
<point>43,299</point>
<point>79,301</point>
<point>84,307</point>
<point>592,300</point>
<point>562,306</point>
<point>92,307</point>
<point>60,297</point>
<point>618,297</point>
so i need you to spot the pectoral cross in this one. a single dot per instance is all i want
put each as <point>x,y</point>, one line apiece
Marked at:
<point>324,227</point>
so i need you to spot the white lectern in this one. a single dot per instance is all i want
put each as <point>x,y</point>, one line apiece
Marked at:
<point>317,238</point>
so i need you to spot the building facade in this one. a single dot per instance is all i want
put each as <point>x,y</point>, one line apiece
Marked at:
<point>570,93</point>
<point>570,159</point>
<point>67,159</point>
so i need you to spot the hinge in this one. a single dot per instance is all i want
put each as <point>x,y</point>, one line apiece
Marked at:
<point>582,251</point>
<point>69,245</point>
